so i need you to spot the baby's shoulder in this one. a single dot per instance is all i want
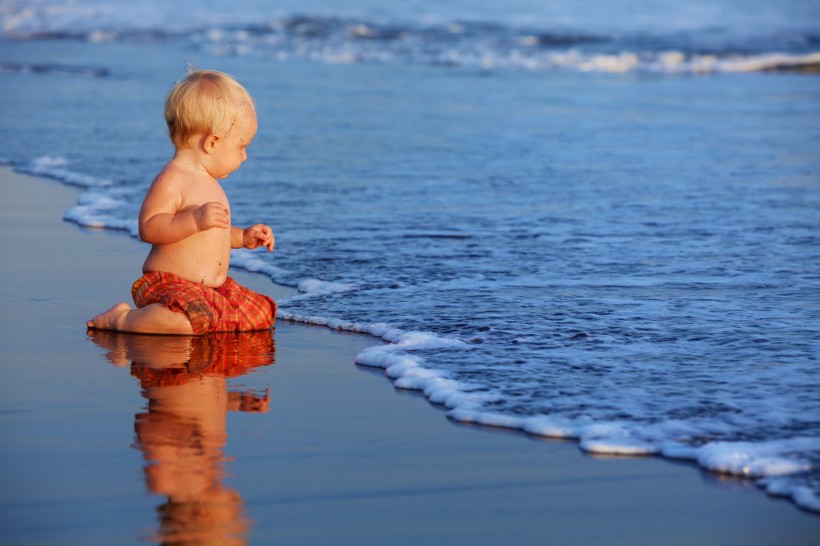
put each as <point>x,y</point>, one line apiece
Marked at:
<point>185,186</point>
<point>163,177</point>
<point>168,189</point>
<point>171,173</point>
<point>174,178</point>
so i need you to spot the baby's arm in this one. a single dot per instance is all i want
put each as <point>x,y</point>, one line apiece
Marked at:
<point>253,237</point>
<point>161,221</point>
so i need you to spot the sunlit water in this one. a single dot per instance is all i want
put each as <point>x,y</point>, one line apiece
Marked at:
<point>558,221</point>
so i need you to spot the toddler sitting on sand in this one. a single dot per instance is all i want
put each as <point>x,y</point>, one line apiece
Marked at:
<point>185,288</point>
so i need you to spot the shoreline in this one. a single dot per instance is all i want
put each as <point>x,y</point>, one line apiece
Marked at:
<point>335,444</point>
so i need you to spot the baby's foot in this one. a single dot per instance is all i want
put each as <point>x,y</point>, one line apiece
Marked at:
<point>113,343</point>
<point>108,320</point>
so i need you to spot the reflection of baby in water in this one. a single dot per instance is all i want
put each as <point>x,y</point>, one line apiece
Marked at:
<point>183,433</point>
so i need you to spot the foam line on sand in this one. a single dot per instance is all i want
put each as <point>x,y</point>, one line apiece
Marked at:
<point>317,450</point>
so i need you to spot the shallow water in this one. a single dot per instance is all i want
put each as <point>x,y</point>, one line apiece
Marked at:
<point>616,249</point>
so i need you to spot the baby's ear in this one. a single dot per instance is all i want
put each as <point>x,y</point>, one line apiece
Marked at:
<point>210,143</point>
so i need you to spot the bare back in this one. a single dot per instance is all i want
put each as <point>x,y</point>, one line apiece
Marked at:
<point>202,257</point>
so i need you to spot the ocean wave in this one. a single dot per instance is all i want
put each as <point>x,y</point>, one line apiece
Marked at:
<point>102,201</point>
<point>467,44</point>
<point>53,68</point>
<point>744,424</point>
<point>784,467</point>
<point>494,46</point>
<point>55,167</point>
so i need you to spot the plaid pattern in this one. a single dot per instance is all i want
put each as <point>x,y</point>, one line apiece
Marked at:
<point>228,308</point>
<point>223,354</point>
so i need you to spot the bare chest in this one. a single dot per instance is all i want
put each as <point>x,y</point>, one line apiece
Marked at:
<point>197,197</point>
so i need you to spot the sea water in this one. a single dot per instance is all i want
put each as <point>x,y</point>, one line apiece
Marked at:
<point>586,220</point>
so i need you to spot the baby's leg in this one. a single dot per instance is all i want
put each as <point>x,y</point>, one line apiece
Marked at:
<point>151,319</point>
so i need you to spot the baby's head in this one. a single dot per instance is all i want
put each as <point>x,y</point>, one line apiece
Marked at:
<point>205,102</point>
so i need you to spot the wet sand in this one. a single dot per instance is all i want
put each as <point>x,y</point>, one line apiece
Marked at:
<point>118,439</point>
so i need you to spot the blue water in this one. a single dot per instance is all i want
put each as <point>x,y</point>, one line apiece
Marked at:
<point>600,224</point>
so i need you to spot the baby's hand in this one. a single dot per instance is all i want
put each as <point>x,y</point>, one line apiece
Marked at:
<point>212,215</point>
<point>258,235</point>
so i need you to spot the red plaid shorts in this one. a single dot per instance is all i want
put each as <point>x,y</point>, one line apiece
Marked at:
<point>230,307</point>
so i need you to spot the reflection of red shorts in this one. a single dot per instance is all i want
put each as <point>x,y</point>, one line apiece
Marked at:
<point>228,308</point>
<point>221,354</point>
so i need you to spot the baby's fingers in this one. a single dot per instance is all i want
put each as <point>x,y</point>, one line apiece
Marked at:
<point>219,222</point>
<point>262,235</point>
<point>266,237</point>
<point>268,243</point>
<point>212,215</point>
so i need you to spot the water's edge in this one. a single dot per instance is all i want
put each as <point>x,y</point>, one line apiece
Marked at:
<point>759,462</point>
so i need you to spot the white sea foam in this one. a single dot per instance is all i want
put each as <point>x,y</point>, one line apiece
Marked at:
<point>479,54</point>
<point>55,167</point>
<point>485,418</point>
<point>250,261</point>
<point>316,287</point>
<point>738,63</point>
<point>624,319</point>
<point>409,371</point>
<point>774,464</point>
<point>338,40</point>
<point>802,496</point>
<point>99,210</point>
<point>759,459</point>
<point>101,202</point>
<point>691,439</point>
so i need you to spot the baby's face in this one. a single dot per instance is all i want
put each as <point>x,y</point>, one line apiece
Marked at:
<point>231,150</point>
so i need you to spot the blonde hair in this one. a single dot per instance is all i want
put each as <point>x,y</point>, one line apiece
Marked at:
<point>204,102</point>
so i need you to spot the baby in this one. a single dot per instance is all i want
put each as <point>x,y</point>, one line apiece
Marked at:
<point>185,288</point>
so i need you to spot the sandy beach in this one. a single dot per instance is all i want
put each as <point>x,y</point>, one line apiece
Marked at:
<point>313,451</point>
